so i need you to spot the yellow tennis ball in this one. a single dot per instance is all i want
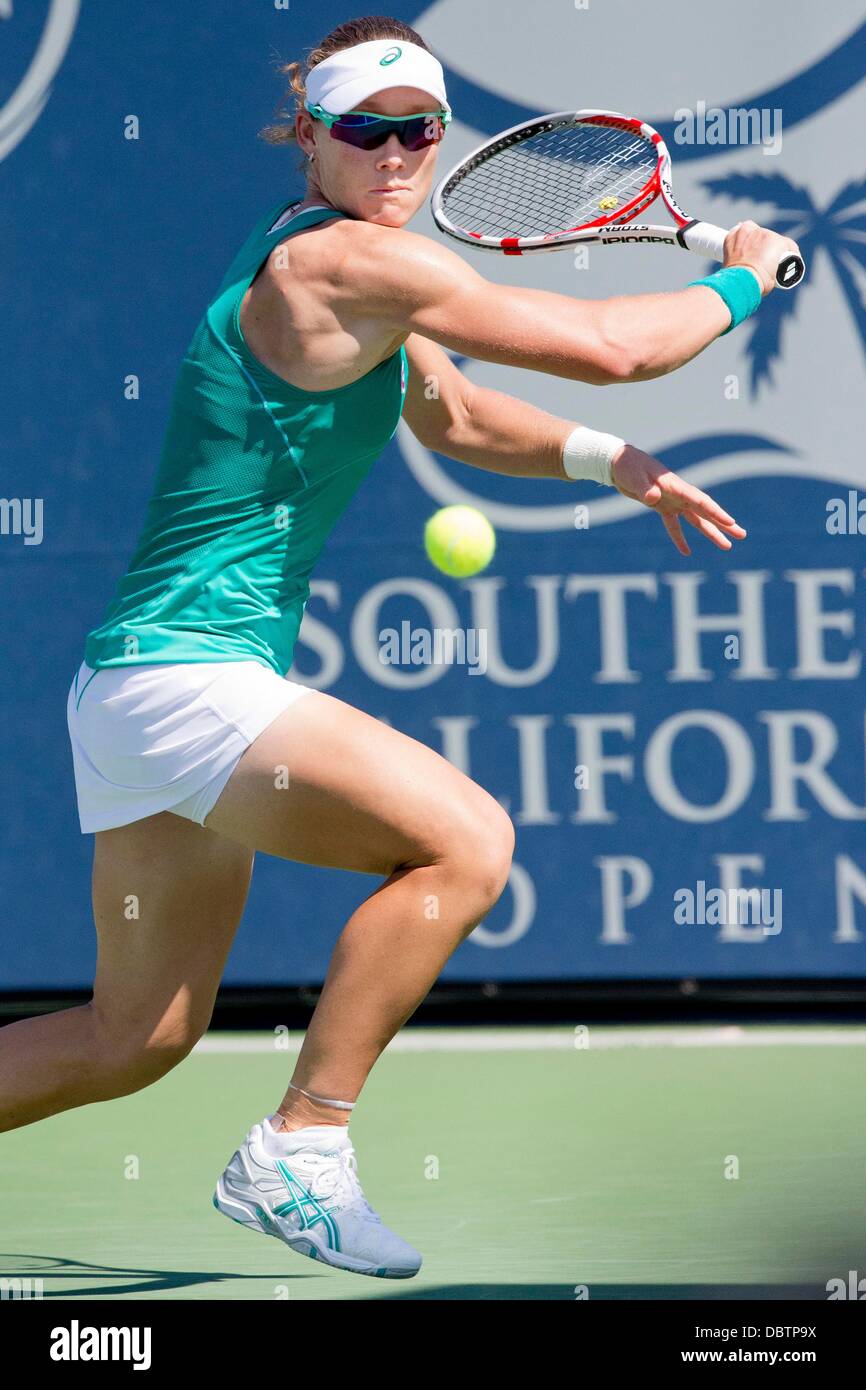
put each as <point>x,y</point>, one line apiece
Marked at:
<point>459,540</point>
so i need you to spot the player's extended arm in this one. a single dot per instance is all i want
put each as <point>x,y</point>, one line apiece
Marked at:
<point>410,283</point>
<point>473,424</point>
<point>491,430</point>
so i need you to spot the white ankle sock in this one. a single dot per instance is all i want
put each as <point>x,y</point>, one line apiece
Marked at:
<point>285,1141</point>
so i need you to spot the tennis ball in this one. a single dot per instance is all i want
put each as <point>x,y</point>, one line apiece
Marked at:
<point>459,540</point>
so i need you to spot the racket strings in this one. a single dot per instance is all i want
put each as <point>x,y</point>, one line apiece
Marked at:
<point>551,182</point>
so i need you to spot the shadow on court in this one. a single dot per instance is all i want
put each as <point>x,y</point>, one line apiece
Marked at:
<point>19,1273</point>
<point>79,1279</point>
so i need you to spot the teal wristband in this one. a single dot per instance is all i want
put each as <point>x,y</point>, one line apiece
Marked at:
<point>738,287</point>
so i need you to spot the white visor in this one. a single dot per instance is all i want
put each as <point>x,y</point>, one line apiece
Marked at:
<point>342,81</point>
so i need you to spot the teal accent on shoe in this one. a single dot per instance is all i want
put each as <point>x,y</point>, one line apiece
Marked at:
<point>310,1211</point>
<point>267,1221</point>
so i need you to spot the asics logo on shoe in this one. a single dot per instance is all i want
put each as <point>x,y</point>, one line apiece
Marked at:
<point>305,1207</point>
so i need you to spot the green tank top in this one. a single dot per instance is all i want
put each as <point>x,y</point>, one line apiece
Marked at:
<point>253,476</point>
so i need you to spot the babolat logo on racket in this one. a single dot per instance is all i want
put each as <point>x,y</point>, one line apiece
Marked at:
<point>637,240</point>
<point>390,57</point>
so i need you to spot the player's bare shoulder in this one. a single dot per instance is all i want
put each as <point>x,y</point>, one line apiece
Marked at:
<point>343,252</point>
<point>390,268</point>
<point>365,253</point>
<point>364,270</point>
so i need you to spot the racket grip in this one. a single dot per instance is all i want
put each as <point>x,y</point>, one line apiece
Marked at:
<point>705,239</point>
<point>708,240</point>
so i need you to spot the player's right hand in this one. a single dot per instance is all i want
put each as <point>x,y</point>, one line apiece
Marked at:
<point>759,249</point>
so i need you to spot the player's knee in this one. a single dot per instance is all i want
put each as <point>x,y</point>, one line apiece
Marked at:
<point>498,850</point>
<point>128,1056</point>
<point>152,1062</point>
<point>482,851</point>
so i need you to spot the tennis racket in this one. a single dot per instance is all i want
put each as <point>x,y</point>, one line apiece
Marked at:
<point>570,178</point>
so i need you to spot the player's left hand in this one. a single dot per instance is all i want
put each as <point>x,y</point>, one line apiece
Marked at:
<point>643,478</point>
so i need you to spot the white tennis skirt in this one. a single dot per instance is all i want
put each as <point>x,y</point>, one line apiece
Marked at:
<point>165,737</point>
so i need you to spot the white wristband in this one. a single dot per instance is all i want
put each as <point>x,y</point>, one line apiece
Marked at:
<point>589,454</point>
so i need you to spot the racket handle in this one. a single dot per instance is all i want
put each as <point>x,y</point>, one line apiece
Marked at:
<point>708,240</point>
<point>704,239</point>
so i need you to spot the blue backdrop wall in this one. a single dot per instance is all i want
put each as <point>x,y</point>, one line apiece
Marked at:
<point>651,723</point>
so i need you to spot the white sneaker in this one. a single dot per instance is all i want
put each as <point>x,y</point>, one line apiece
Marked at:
<point>303,1188</point>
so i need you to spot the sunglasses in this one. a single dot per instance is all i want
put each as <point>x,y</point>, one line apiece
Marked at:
<point>367,131</point>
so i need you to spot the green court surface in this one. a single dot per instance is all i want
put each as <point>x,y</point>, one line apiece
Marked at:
<point>524,1163</point>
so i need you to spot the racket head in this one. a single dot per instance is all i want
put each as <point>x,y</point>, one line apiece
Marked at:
<point>553,180</point>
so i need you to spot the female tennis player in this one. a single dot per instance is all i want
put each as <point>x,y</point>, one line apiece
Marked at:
<point>191,748</point>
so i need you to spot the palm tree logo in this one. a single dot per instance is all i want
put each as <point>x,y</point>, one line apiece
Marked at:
<point>839,229</point>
